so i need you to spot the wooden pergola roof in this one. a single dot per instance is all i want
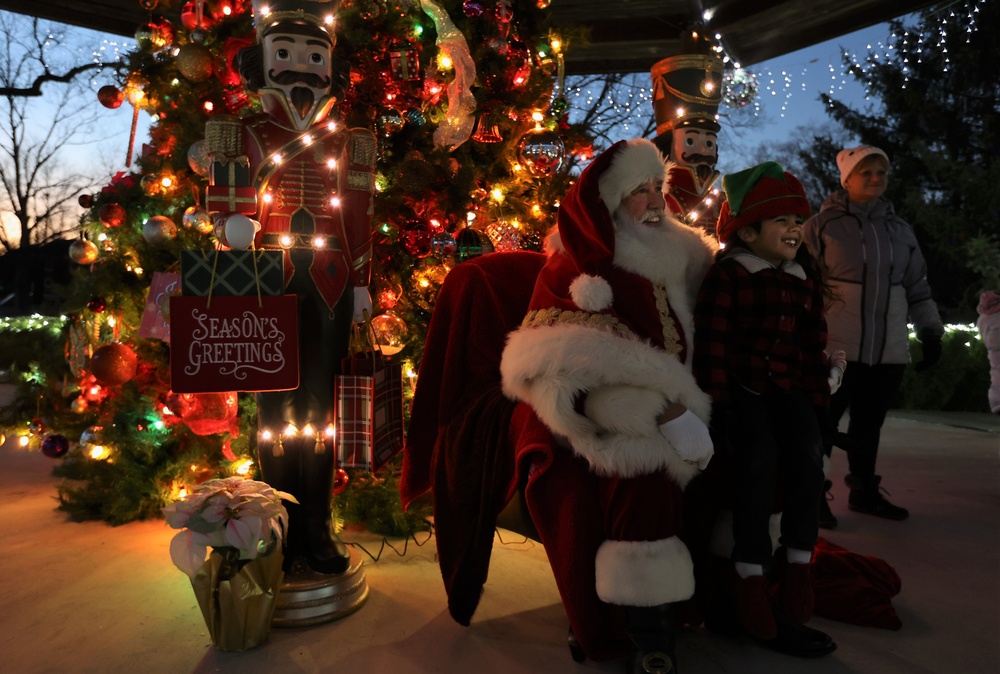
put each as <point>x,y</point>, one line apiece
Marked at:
<point>625,35</point>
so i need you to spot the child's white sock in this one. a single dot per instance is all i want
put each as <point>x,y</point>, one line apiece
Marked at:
<point>746,570</point>
<point>796,556</point>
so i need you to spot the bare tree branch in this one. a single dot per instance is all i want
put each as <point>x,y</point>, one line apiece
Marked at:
<point>38,185</point>
<point>35,89</point>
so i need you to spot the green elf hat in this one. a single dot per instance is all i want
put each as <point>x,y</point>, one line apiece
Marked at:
<point>757,193</point>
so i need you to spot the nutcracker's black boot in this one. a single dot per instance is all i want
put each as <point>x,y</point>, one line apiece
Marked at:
<point>325,552</point>
<point>653,632</point>
<point>281,471</point>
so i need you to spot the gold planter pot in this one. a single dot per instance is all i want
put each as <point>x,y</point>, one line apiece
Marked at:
<point>238,602</point>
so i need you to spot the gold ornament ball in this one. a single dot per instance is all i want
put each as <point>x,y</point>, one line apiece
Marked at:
<point>82,251</point>
<point>144,37</point>
<point>390,333</point>
<point>194,61</point>
<point>113,364</point>
<point>198,219</point>
<point>197,157</point>
<point>158,230</point>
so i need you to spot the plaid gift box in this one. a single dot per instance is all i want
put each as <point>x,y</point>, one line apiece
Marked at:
<point>234,272</point>
<point>369,417</point>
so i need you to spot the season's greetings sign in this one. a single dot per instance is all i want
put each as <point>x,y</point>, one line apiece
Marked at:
<point>233,344</point>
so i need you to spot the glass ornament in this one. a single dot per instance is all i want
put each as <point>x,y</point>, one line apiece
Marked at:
<point>541,152</point>
<point>390,333</point>
<point>55,446</point>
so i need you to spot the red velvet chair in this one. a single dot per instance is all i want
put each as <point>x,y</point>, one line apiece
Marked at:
<point>459,425</point>
<point>477,452</point>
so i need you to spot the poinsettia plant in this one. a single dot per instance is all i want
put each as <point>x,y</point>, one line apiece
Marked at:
<point>238,518</point>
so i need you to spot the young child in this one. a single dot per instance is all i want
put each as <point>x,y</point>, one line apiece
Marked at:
<point>759,341</point>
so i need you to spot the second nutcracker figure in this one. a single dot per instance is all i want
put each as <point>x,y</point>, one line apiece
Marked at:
<point>308,184</point>
<point>687,90</point>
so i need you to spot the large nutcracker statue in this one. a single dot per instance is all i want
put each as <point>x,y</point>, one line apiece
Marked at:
<point>306,184</point>
<point>687,90</point>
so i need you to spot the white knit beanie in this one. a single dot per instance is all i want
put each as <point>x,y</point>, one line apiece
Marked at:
<point>847,160</point>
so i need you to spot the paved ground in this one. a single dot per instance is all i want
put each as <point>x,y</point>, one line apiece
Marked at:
<point>92,598</point>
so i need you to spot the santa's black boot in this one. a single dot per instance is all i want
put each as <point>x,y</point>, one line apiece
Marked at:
<point>653,632</point>
<point>326,553</point>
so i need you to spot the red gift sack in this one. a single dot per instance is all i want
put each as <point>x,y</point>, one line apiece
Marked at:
<point>232,343</point>
<point>854,588</point>
<point>369,411</point>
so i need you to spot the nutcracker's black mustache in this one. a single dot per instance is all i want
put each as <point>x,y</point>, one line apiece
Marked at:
<point>293,77</point>
<point>695,158</point>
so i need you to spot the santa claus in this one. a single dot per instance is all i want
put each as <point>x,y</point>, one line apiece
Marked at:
<point>603,359</point>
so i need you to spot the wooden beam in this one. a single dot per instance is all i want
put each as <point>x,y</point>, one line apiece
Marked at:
<point>625,35</point>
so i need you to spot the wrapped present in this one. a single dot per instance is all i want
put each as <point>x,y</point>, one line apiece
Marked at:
<point>232,272</point>
<point>231,173</point>
<point>226,343</point>
<point>404,62</point>
<point>368,412</point>
<point>155,322</point>
<point>226,199</point>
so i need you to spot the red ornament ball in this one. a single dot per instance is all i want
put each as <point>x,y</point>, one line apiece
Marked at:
<point>340,481</point>
<point>55,446</point>
<point>113,364</point>
<point>416,235</point>
<point>85,200</point>
<point>112,214</point>
<point>110,96</point>
<point>97,304</point>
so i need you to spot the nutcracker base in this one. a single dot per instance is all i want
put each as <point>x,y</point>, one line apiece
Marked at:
<point>309,598</point>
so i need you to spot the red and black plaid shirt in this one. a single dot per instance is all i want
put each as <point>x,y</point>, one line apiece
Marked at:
<point>760,329</point>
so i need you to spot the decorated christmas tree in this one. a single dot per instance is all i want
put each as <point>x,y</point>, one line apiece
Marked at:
<point>474,152</point>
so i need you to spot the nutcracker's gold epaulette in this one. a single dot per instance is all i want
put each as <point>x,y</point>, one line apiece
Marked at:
<point>224,138</point>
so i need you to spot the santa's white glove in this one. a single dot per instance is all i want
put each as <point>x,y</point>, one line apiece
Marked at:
<point>838,365</point>
<point>362,304</point>
<point>690,439</point>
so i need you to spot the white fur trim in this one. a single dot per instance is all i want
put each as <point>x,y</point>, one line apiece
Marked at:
<point>550,366</point>
<point>625,409</point>
<point>722,541</point>
<point>591,293</point>
<point>644,573</point>
<point>636,163</point>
